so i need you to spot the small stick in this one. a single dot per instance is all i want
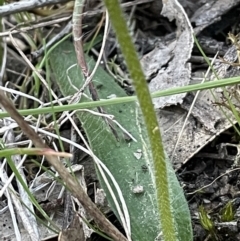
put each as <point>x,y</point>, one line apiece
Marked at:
<point>78,43</point>
<point>74,187</point>
<point>26,5</point>
<point>66,30</point>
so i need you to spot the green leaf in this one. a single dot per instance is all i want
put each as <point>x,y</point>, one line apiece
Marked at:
<point>119,156</point>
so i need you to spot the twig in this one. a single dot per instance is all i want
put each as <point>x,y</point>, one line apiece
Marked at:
<point>101,167</point>
<point>78,44</point>
<point>71,183</point>
<point>53,40</point>
<point>26,5</point>
<point>18,28</point>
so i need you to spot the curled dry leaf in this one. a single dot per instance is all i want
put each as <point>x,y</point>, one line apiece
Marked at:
<point>206,120</point>
<point>175,55</point>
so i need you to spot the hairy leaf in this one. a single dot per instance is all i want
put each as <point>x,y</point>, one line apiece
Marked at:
<point>129,162</point>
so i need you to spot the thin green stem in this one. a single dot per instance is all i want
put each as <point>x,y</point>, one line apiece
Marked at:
<point>149,115</point>
<point>157,94</point>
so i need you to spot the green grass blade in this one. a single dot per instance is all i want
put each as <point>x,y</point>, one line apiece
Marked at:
<point>128,99</point>
<point>31,197</point>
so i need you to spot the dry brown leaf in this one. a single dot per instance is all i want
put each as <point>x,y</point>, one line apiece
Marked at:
<point>176,54</point>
